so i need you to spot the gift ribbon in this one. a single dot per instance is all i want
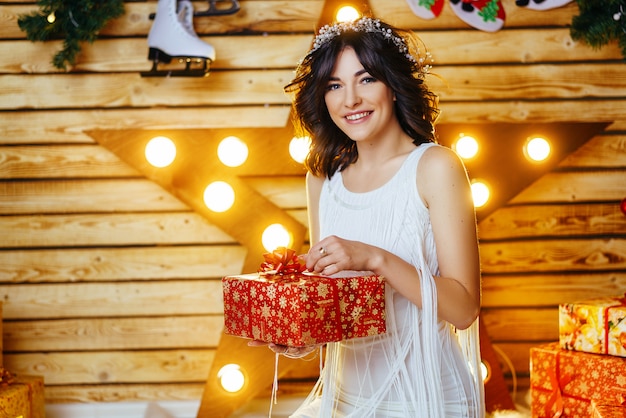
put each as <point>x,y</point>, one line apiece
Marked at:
<point>622,303</point>
<point>282,262</point>
<point>6,377</point>
<point>556,399</point>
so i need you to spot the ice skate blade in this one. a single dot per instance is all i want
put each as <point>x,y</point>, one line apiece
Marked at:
<point>159,57</point>
<point>214,9</point>
<point>188,71</point>
<point>175,73</point>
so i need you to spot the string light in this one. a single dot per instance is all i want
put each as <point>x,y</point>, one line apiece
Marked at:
<point>219,196</point>
<point>347,14</point>
<point>537,149</point>
<point>276,235</point>
<point>299,148</point>
<point>466,146</point>
<point>231,377</point>
<point>232,151</point>
<point>160,151</point>
<point>480,193</point>
<point>485,371</point>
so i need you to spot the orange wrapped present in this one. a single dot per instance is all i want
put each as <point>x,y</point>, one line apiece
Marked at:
<point>607,411</point>
<point>285,305</point>
<point>563,383</point>
<point>594,326</point>
<point>21,396</point>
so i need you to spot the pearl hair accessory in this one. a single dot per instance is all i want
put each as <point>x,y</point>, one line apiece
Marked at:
<point>367,24</point>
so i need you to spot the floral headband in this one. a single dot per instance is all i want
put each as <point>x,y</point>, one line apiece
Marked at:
<point>366,24</point>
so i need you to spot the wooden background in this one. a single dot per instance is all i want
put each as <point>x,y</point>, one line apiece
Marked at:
<point>110,284</point>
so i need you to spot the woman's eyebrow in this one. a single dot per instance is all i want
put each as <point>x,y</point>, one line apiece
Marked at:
<point>358,73</point>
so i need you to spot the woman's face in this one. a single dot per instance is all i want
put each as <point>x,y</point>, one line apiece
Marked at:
<point>360,105</point>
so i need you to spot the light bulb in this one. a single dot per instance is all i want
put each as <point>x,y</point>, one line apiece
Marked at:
<point>160,151</point>
<point>231,378</point>
<point>274,236</point>
<point>299,148</point>
<point>537,149</point>
<point>485,371</point>
<point>480,193</point>
<point>232,151</point>
<point>219,196</point>
<point>466,146</point>
<point>347,14</point>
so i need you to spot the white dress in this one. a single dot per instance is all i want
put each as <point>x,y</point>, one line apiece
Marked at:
<point>422,367</point>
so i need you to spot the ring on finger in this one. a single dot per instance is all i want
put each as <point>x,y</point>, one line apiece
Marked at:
<point>323,251</point>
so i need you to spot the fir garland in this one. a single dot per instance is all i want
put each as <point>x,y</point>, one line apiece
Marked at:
<point>75,20</point>
<point>600,22</point>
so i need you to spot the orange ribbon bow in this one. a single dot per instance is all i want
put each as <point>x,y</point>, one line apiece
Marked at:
<point>282,261</point>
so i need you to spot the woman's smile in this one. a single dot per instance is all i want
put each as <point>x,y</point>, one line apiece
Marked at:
<point>355,117</point>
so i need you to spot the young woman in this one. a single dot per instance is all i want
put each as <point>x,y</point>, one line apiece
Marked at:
<point>384,197</point>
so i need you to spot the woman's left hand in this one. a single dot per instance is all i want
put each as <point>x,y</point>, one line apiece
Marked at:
<point>292,352</point>
<point>333,254</point>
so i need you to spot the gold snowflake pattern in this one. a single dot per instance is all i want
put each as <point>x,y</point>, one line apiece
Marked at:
<point>322,290</point>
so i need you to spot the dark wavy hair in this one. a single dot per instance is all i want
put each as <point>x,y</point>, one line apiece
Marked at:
<point>415,105</point>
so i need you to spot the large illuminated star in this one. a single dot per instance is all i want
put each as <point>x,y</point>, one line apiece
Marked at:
<point>501,163</point>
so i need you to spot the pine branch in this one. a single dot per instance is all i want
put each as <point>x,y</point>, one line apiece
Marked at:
<point>75,21</point>
<point>600,22</point>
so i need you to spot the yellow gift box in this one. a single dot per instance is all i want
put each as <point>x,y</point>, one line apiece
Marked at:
<point>594,326</point>
<point>22,397</point>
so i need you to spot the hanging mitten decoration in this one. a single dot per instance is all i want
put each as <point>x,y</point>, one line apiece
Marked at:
<point>541,4</point>
<point>426,9</point>
<point>486,15</point>
<point>600,22</point>
<point>75,21</point>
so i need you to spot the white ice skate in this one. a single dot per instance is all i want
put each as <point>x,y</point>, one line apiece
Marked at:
<point>172,36</point>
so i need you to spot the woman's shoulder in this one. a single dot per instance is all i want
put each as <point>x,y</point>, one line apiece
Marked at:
<point>440,169</point>
<point>439,157</point>
<point>314,181</point>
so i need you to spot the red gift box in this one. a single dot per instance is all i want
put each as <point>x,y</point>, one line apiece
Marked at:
<point>594,326</point>
<point>284,305</point>
<point>564,382</point>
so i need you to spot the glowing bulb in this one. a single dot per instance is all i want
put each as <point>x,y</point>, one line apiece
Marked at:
<point>299,148</point>
<point>160,151</point>
<point>51,18</point>
<point>480,193</point>
<point>232,151</point>
<point>537,149</point>
<point>219,196</point>
<point>275,236</point>
<point>485,371</point>
<point>466,147</point>
<point>231,378</point>
<point>347,14</point>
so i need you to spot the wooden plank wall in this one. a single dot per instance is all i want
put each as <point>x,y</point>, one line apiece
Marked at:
<point>110,285</point>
